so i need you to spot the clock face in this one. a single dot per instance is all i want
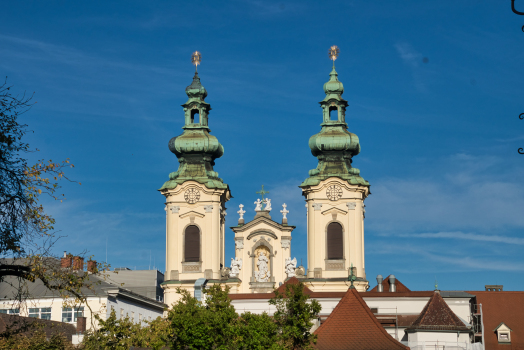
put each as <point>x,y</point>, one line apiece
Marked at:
<point>192,195</point>
<point>334,192</point>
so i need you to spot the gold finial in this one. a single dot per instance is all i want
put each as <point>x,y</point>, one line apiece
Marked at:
<point>196,57</point>
<point>333,53</point>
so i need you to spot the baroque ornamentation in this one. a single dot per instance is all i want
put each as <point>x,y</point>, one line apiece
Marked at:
<point>351,205</point>
<point>290,267</point>
<point>208,208</point>
<point>241,211</point>
<point>317,206</point>
<point>174,209</point>
<point>236,265</point>
<point>258,204</point>
<point>284,211</point>
<point>267,203</point>
<point>263,274</point>
<point>239,244</point>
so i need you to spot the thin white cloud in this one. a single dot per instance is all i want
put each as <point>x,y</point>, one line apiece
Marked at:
<point>466,236</point>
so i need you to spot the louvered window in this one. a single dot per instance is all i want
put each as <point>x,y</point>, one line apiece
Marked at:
<point>192,244</point>
<point>335,249</point>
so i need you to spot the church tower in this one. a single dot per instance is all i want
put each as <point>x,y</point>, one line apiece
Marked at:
<point>195,200</point>
<point>335,194</point>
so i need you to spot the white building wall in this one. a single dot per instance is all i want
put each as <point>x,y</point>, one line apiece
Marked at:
<point>133,310</point>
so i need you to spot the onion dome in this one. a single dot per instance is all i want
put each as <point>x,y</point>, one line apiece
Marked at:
<point>196,149</point>
<point>334,146</point>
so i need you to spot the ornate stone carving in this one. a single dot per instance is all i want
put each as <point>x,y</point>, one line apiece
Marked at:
<point>258,204</point>
<point>174,209</point>
<point>286,243</point>
<point>223,211</point>
<point>192,195</point>
<point>239,244</point>
<point>317,206</point>
<point>189,267</point>
<point>262,275</point>
<point>208,208</point>
<point>291,265</point>
<point>351,205</point>
<point>284,211</point>
<point>236,266</point>
<point>267,203</point>
<point>241,211</point>
<point>335,265</point>
<point>334,192</point>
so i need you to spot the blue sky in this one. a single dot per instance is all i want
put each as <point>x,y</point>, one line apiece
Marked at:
<point>434,91</point>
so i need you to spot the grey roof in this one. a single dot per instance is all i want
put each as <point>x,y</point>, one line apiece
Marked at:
<point>100,285</point>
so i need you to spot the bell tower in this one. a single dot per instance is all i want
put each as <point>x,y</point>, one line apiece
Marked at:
<point>335,194</point>
<point>195,200</point>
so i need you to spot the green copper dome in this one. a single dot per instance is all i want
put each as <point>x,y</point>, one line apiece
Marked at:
<point>334,146</point>
<point>196,149</point>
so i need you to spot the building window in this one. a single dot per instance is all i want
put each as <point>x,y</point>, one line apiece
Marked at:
<point>43,313</point>
<point>503,333</point>
<point>335,248</point>
<point>192,244</point>
<point>71,314</point>
<point>10,311</point>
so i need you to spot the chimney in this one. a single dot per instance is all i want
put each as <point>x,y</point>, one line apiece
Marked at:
<point>493,287</point>
<point>392,286</point>
<point>81,325</point>
<point>380,287</point>
<point>91,266</point>
<point>78,263</point>
<point>65,262</point>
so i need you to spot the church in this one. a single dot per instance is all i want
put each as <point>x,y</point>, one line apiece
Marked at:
<point>334,193</point>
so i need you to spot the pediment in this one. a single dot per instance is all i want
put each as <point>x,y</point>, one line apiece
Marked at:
<point>191,213</point>
<point>262,219</point>
<point>334,210</point>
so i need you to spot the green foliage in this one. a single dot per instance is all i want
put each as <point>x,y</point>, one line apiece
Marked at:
<point>294,315</point>
<point>37,341</point>
<point>113,334</point>
<point>214,324</point>
<point>203,326</point>
<point>258,332</point>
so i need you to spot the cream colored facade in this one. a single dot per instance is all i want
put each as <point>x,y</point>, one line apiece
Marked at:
<point>188,204</point>
<point>262,235</point>
<point>345,207</point>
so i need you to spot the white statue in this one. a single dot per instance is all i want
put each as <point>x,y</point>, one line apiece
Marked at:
<point>267,202</point>
<point>241,211</point>
<point>236,265</point>
<point>291,265</point>
<point>284,211</point>
<point>259,205</point>
<point>262,275</point>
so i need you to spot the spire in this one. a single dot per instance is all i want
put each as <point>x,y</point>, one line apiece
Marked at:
<point>196,149</point>
<point>334,146</point>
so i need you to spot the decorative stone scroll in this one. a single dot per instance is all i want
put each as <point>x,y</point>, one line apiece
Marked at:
<point>351,205</point>
<point>317,206</point>
<point>208,208</point>
<point>174,209</point>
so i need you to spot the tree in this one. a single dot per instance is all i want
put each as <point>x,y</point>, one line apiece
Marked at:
<point>27,233</point>
<point>112,334</point>
<point>294,316</point>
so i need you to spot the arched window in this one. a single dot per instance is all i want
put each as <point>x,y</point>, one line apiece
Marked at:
<point>335,248</point>
<point>333,113</point>
<point>192,244</point>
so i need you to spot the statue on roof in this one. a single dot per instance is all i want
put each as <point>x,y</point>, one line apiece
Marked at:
<point>291,265</point>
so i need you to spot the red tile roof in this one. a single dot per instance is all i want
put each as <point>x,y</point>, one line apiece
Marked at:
<point>385,284</point>
<point>438,316</point>
<point>352,326</point>
<point>507,307</point>
<point>293,280</point>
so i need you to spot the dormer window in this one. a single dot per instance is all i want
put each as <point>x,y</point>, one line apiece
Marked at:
<point>503,333</point>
